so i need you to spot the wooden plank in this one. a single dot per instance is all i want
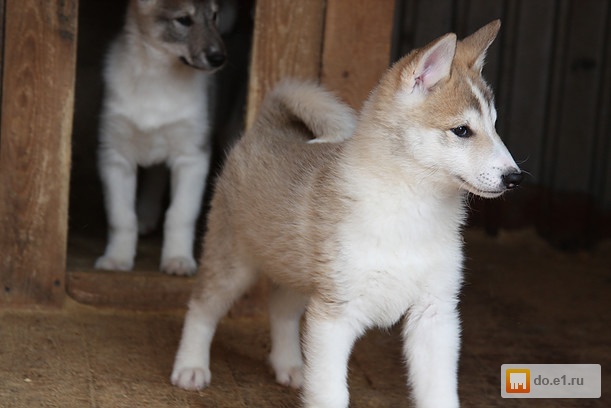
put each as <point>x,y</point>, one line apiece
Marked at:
<point>357,44</point>
<point>286,43</point>
<point>434,19</point>
<point>581,93</point>
<point>37,103</point>
<point>529,82</point>
<point>602,172</point>
<point>1,46</point>
<point>150,291</point>
<point>134,290</point>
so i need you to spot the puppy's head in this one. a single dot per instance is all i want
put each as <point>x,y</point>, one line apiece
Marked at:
<point>186,29</point>
<point>443,116</point>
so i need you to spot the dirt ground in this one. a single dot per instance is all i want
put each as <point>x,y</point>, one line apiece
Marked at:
<point>523,302</point>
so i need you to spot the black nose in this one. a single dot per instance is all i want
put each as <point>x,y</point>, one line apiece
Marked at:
<point>216,59</point>
<point>511,180</point>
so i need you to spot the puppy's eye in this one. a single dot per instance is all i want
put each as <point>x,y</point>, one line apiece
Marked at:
<point>462,131</point>
<point>186,21</point>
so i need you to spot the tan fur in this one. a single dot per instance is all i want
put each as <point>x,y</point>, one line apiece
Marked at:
<point>273,177</point>
<point>282,198</point>
<point>363,229</point>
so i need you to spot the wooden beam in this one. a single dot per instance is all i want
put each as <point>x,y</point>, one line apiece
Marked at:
<point>134,290</point>
<point>37,106</point>
<point>1,44</point>
<point>286,43</point>
<point>357,44</point>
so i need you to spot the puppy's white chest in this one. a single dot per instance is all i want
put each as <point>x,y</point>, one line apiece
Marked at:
<point>393,254</point>
<point>153,113</point>
<point>153,104</point>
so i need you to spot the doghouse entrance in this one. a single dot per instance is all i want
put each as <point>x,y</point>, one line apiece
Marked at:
<point>145,286</point>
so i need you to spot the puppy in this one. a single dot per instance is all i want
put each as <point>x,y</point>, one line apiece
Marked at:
<point>156,111</point>
<point>356,221</point>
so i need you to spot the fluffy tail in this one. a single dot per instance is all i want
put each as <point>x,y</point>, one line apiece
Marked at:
<point>328,119</point>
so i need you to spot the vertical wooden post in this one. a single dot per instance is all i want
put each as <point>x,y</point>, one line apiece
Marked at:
<point>357,44</point>
<point>345,45</point>
<point>1,44</point>
<point>37,106</point>
<point>287,42</point>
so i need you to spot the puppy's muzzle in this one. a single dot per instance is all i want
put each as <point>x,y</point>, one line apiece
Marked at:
<point>210,59</point>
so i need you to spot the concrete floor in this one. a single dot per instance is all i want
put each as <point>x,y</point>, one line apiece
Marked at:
<point>523,302</point>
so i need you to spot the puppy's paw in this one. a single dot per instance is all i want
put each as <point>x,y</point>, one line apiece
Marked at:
<point>179,265</point>
<point>113,264</point>
<point>191,378</point>
<point>290,376</point>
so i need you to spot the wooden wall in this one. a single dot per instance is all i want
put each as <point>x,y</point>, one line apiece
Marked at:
<point>321,40</point>
<point>551,69</point>
<point>36,123</point>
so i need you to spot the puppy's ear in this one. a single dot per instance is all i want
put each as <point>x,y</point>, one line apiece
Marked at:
<point>432,64</point>
<point>474,47</point>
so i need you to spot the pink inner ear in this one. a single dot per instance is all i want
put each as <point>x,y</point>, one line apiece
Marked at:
<point>422,78</point>
<point>435,66</point>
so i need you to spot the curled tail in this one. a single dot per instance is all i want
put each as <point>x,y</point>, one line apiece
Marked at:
<point>328,119</point>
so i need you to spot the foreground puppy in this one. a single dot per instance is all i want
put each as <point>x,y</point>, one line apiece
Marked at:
<point>156,111</point>
<point>360,232</point>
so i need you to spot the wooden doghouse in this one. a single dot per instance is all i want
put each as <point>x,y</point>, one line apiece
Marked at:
<point>322,40</point>
<point>550,67</point>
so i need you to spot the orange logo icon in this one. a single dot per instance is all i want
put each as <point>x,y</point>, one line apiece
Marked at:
<point>517,381</point>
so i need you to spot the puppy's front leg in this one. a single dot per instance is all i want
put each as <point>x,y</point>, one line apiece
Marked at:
<point>119,181</point>
<point>431,346</point>
<point>328,341</point>
<point>188,182</point>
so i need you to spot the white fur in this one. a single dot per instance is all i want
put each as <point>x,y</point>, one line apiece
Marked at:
<point>367,230</point>
<point>155,111</point>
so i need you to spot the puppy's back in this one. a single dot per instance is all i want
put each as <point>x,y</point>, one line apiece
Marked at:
<point>278,192</point>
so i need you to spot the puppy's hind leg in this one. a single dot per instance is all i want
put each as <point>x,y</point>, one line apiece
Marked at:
<point>286,309</point>
<point>222,282</point>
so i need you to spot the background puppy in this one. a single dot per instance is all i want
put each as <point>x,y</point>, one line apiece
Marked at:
<point>156,111</point>
<point>359,232</point>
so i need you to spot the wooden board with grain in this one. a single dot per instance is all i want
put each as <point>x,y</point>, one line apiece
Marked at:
<point>581,94</point>
<point>37,104</point>
<point>286,43</point>
<point>1,45</point>
<point>356,47</point>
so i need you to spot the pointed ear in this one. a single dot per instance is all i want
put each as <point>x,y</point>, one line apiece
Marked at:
<point>432,64</point>
<point>474,47</point>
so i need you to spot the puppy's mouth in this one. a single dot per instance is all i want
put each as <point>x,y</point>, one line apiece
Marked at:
<point>194,66</point>
<point>465,185</point>
<point>208,67</point>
